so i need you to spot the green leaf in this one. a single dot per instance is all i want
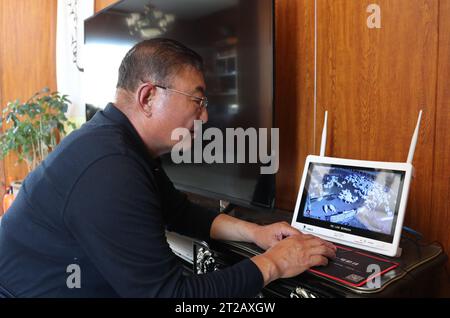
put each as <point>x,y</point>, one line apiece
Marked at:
<point>34,122</point>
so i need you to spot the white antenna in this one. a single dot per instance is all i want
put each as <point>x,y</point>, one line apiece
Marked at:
<point>412,147</point>
<point>323,144</point>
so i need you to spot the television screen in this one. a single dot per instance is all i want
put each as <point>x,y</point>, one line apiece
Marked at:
<point>361,201</point>
<point>235,39</point>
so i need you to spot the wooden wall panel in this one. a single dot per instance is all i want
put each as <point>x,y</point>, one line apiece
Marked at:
<point>101,4</point>
<point>439,212</point>
<point>27,57</point>
<point>294,88</point>
<point>375,81</point>
<point>372,81</point>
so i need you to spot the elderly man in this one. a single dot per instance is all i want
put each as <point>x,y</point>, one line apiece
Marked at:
<point>100,204</point>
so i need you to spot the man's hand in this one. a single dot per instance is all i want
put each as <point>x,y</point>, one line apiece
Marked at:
<point>289,252</point>
<point>269,235</point>
<point>292,256</point>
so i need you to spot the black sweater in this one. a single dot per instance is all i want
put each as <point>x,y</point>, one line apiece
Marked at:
<point>99,201</point>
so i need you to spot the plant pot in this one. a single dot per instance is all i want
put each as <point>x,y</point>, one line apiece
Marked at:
<point>10,195</point>
<point>8,199</point>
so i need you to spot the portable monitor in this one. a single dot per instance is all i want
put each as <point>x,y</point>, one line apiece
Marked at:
<point>354,202</point>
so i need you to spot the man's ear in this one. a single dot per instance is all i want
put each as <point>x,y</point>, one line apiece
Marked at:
<point>145,95</point>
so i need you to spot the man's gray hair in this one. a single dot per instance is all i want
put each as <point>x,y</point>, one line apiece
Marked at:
<point>155,60</point>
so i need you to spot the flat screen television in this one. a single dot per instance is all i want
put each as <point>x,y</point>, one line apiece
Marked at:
<point>236,40</point>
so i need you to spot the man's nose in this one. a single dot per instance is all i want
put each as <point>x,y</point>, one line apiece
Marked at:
<point>204,115</point>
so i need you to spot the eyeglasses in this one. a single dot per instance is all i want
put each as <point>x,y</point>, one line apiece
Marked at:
<point>202,101</point>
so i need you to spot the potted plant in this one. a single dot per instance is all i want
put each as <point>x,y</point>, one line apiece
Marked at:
<point>35,127</point>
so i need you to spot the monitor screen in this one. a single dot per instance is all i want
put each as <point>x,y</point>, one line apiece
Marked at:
<point>235,39</point>
<point>354,200</point>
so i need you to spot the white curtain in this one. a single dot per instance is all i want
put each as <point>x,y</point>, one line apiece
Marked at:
<point>69,53</point>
